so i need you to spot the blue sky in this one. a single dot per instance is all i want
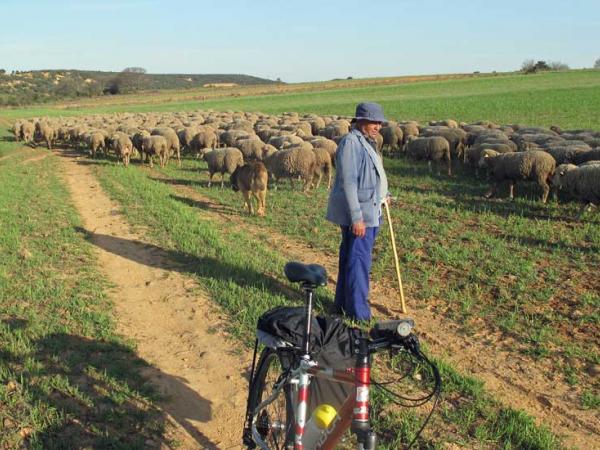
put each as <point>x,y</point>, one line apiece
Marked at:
<point>297,40</point>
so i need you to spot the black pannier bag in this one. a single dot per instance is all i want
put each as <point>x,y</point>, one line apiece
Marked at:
<point>331,345</point>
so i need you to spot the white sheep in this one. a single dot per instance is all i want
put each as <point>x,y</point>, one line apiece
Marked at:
<point>582,182</point>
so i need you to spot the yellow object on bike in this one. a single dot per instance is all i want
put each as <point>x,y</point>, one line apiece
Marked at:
<point>323,415</point>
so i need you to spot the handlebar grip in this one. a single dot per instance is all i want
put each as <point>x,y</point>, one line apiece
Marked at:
<point>393,328</point>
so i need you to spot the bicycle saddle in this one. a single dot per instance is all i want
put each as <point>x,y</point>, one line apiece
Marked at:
<point>298,272</point>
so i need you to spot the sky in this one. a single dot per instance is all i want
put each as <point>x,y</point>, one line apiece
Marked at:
<point>297,41</point>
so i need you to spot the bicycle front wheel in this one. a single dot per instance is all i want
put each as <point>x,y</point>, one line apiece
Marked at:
<point>275,422</point>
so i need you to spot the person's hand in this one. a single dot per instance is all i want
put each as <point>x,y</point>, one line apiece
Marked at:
<point>359,229</point>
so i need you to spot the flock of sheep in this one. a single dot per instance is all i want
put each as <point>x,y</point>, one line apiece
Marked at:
<point>293,147</point>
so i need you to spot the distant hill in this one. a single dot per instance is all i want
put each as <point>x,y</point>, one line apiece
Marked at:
<point>40,86</point>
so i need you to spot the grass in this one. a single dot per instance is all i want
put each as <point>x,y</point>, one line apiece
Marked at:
<point>480,262</point>
<point>567,99</point>
<point>246,279</point>
<point>521,268</point>
<point>66,379</point>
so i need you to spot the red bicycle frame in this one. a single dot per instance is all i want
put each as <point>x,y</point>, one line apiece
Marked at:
<point>355,409</point>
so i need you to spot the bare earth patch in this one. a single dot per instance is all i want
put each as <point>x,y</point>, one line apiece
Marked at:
<point>173,324</point>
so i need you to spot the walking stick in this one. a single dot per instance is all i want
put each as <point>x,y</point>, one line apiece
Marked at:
<point>392,237</point>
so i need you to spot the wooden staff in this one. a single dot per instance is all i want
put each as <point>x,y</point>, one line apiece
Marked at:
<point>393,238</point>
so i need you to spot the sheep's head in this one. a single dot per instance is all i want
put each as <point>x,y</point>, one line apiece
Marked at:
<point>204,152</point>
<point>559,173</point>
<point>485,156</point>
<point>267,150</point>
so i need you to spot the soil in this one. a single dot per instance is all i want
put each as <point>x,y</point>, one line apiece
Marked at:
<point>165,313</point>
<point>198,368</point>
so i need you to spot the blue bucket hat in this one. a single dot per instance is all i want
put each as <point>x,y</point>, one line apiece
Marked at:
<point>369,111</point>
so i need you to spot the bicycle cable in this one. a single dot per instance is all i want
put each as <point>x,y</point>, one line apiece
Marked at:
<point>416,402</point>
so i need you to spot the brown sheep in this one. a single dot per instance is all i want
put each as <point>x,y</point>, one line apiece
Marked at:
<point>252,179</point>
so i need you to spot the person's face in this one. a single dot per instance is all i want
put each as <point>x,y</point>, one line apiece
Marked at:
<point>369,128</point>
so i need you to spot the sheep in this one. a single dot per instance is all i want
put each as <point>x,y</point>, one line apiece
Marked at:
<point>323,166</point>
<point>327,144</point>
<point>392,137</point>
<point>447,123</point>
<point>581,182</point>
<point>251,148</point>
<point>185,137</point>
<point>292,162</point>
<point>27,131</point>
<point>252,179</point>
<point>434,148</point>
<point>456,137</point>
<point>410,128</point>
<point>228,138</point>
<point>279,141</point>
<point>155,145</point>
<point>473,154</point>
<point>335,129</point>
<point>222,160</point>
<point>533,165</point>
<point>203,139</point>
<point>316,124</point>
<point>96,141</point>
<point>254,149</point>
<point>565,154</point>
<point>172,141</point>
<point>16,130</point>
<point>44,132</point>
<point>136,140</point>
<point>590,155</point>
<point>122,146</point>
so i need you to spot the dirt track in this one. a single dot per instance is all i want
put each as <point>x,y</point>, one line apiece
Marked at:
<point>166,314</point>
<point>162,311</point>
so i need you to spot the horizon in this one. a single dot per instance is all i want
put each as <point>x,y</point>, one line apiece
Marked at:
<point>314,41</point>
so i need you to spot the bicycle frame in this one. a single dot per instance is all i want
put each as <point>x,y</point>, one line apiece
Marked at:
<point>355,408</point>
<point>354,412</point>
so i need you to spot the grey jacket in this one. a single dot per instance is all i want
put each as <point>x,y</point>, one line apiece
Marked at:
<point>360,184</point>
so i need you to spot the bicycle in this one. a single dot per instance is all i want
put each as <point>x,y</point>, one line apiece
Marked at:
<point>280,383</point>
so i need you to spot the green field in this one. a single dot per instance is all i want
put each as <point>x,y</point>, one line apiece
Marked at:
<point>568,99</point>
<point>516,268</point>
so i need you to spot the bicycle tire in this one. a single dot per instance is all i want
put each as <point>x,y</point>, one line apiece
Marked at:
<point>275,423</point>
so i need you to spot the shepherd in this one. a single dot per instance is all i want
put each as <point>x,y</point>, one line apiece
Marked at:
<point>355,204</point>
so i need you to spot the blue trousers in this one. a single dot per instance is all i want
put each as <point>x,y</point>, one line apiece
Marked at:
<point>352,289</point>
